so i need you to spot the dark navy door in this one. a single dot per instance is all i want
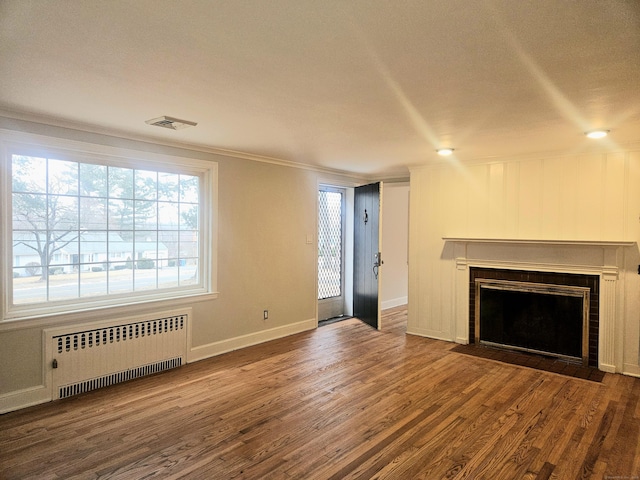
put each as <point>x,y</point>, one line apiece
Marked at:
<point>366,253</point>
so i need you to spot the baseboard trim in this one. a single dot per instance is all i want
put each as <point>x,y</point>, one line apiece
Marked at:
<point>428,333</point>
<point>631,370</point>
<point>24,398</point>
<point>218,348</point>
<point>394,302</point>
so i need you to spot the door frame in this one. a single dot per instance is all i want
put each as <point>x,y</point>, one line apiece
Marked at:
<point>336,306</point>
<point>348,244</point>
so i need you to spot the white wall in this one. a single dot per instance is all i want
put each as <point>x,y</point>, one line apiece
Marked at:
<point>573,197</point>
<point>395,241</point>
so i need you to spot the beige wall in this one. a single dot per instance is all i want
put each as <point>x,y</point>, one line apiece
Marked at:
<point>266,213</point>
<point>395,241</point>
<point>573,197</point>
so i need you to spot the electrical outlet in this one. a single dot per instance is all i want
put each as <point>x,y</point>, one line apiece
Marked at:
<point>266,314</point>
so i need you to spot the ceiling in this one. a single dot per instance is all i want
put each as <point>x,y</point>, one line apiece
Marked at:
<point>363,86</point>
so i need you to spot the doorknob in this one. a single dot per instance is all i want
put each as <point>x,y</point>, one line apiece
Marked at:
<point>377,261</point>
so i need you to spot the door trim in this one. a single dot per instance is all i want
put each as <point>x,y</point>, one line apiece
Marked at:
<point>348,247</point>
<point>332,307</point>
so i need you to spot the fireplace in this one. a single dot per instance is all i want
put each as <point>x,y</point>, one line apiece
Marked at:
<point>596,264</point>
<point>554,314</point>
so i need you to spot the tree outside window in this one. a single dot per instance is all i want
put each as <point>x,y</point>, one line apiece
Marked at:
<point>83,230</point>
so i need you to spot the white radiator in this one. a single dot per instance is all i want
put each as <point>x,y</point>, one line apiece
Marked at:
<point>90,357</point>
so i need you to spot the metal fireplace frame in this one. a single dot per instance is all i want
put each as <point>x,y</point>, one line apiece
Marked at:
<point>540,288</point>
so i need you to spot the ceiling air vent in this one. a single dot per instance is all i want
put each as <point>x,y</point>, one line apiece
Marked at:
<point>171,122</point>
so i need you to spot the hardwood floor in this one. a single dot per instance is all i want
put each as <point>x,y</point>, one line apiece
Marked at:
<point>342,401</point>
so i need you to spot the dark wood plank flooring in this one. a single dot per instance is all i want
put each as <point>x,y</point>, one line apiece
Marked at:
<point>343,401</point>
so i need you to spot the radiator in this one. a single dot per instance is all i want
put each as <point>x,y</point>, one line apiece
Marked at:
<point>87,358</point>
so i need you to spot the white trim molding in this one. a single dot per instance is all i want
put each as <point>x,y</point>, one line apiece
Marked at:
<point>24,398</point>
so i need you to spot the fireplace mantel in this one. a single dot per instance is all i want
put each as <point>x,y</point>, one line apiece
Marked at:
<point>522,241</point>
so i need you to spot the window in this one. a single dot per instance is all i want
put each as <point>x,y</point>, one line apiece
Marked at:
<point>96,227</point>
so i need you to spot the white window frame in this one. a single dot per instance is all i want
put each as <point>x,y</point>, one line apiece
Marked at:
<point>12,142</point>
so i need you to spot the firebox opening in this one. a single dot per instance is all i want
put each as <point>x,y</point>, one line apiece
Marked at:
<point>540,318</point>
<point>583,289</point>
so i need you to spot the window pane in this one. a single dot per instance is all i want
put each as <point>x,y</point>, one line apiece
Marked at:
<point>146,246</point>
<point>29,211</point>
<point>27,287</point>
<point>168,276</point>
<point>93,180</point>
<point>146,185</point>
<point>145,275</point>
<point>146,214</point>
<point>120,251</point>
<point>63,287</point>
<point>188,216</point>
<point>121,279</point>
<point>168,218</point>
<point>120,183</point>
<point>25,249</point>
<point>93,247</point>
<point>93,213</point>
<point>63,213</point>
<point>63,177</point>
<point>93,282</point>
<point>189,186</point>
<point>121,214</point>
<point>188,245</point>
<point>29,174</point>
<point>168,184</point>
<point>69,248</point>
<point>188,271</point>
<point>169,240</point>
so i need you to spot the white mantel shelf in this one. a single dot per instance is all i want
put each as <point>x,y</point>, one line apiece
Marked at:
<point>515,241</point>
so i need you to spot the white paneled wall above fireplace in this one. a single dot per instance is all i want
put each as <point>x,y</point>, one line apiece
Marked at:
<point>574,213</point>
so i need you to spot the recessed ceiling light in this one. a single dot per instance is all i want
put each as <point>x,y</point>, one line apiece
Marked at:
<point>170,122</point>
<point>597,133</point>
<point>445,152</point>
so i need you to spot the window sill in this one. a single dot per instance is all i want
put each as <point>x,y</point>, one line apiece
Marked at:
<point>97,313</point>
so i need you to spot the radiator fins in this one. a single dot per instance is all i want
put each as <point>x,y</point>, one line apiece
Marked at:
<point>106,335</point>
<point>118,377</point>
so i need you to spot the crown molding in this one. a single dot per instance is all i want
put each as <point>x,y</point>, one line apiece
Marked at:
<point>93,129</point>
